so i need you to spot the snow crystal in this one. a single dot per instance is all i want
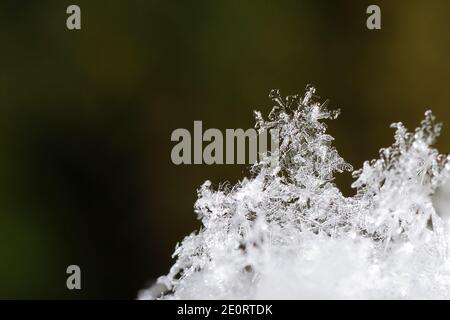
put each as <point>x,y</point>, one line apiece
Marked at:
<point>287,232</point>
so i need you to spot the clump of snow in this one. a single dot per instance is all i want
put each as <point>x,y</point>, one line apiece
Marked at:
<point>287,232</point>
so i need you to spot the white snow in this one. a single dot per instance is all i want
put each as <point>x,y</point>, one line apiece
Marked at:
<point>287,232</point>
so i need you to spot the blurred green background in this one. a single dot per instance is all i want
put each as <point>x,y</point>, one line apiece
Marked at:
<point>86,116</point>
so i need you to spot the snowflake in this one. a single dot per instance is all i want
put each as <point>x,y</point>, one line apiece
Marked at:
<point>288,232</point>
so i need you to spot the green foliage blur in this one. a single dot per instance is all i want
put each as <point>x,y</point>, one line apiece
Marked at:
<point>86,116</point>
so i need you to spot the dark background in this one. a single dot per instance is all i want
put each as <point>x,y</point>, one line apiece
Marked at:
<point>86,116</point>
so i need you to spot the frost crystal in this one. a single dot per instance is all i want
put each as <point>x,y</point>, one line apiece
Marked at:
<point>288,232</point>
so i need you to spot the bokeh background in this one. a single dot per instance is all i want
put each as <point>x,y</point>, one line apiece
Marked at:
<point>86,116</point>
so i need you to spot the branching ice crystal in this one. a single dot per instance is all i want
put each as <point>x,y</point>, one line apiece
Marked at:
<point>288,232</point>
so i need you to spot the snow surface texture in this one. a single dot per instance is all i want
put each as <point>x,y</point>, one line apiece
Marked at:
<point>287,232</point>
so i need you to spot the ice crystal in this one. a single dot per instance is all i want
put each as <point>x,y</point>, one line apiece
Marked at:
<point>288,232</point>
